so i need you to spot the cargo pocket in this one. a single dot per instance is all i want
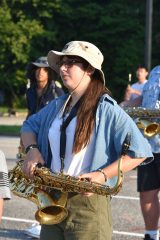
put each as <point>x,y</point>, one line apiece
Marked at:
<point>92,202</point>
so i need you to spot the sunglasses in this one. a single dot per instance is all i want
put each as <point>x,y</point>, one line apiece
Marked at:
<point>69,62</point>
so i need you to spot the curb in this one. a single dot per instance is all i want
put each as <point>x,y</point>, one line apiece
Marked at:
<point>9,135</point>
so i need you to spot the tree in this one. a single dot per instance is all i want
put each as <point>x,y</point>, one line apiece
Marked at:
<point>16,32</point>
<point>30,28</point>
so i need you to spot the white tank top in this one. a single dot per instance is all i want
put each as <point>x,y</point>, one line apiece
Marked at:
<point>74,164</point>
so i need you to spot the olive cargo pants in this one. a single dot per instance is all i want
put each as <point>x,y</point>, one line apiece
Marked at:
<point>89,218</point>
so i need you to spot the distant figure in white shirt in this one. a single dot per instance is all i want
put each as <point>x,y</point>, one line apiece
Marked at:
<point>133,91</point>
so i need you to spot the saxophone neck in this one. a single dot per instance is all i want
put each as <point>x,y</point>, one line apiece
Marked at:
<point>125,147</point>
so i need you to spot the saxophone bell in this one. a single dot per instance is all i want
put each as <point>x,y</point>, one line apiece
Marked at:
<point>143,116</point>
<point>50,211</point>
<point>150,128</point>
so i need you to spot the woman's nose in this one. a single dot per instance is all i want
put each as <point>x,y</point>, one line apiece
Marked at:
<point>63,67</point>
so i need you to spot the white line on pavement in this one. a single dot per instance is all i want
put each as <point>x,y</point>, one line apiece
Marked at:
<point>134,177</point>
<point>129,233</point>
<point>126,197</point>
<point>18,220</point>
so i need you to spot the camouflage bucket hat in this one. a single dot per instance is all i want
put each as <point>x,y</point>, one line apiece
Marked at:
<point>85,50</point>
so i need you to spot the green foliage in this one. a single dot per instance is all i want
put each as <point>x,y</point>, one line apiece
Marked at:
<point>30,28</point>
<point>16,32</point>
<point>10,130</point>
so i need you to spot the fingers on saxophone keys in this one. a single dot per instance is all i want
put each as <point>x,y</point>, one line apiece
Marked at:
<point>87,179</point>
<point>32,170</point>
<point>28,169</point>
<point>83,178</point>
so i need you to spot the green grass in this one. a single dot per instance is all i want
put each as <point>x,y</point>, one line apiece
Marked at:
<point>5,110</point>
<point>10,130</point>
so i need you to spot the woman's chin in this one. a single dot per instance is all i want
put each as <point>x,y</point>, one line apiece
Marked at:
<point>68,86</point>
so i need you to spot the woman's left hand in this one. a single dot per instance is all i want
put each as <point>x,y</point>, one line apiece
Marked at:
<point>93,177</point>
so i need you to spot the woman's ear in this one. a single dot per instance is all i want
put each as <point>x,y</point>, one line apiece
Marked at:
<point>90,70</point>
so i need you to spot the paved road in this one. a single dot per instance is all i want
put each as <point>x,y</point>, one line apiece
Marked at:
<point>13,120</point>
<point>19,213</point>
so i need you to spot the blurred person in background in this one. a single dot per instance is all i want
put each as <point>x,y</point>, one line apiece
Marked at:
<point>135,90</point>
<point>148,178</point>
<point>4,182</point>
<point>43,85</point>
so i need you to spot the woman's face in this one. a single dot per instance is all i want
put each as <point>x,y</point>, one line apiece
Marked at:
<point>73,73</point>
<point>41,74</point>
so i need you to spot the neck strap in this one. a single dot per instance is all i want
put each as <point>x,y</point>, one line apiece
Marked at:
<point>64,125</point>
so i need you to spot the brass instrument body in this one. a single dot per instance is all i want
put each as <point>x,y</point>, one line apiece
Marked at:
<point>67,183</point>
<point>144,119</point>
<point>140,112</point>
<point>37,190</point>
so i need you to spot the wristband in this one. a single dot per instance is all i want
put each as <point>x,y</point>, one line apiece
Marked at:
<point>29,147</point>
<point>105,176</point>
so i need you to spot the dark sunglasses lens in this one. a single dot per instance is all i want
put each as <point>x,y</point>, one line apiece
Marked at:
<point>69,62</point>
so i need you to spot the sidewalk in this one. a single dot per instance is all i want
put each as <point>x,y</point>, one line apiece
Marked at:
<point>13,120</point>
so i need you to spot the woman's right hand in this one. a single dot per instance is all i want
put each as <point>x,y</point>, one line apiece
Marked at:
<point>33,157</point>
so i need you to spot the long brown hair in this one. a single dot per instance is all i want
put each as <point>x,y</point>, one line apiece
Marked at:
<point>87,112</point>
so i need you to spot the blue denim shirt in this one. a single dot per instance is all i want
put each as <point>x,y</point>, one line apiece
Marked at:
<point>151,99</point>
<point>111,127</point>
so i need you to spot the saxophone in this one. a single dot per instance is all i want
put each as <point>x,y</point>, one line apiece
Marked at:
<point>49,190</point>
<point>140,112</point>
<point>144,119</point>
<point>52,209</point>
